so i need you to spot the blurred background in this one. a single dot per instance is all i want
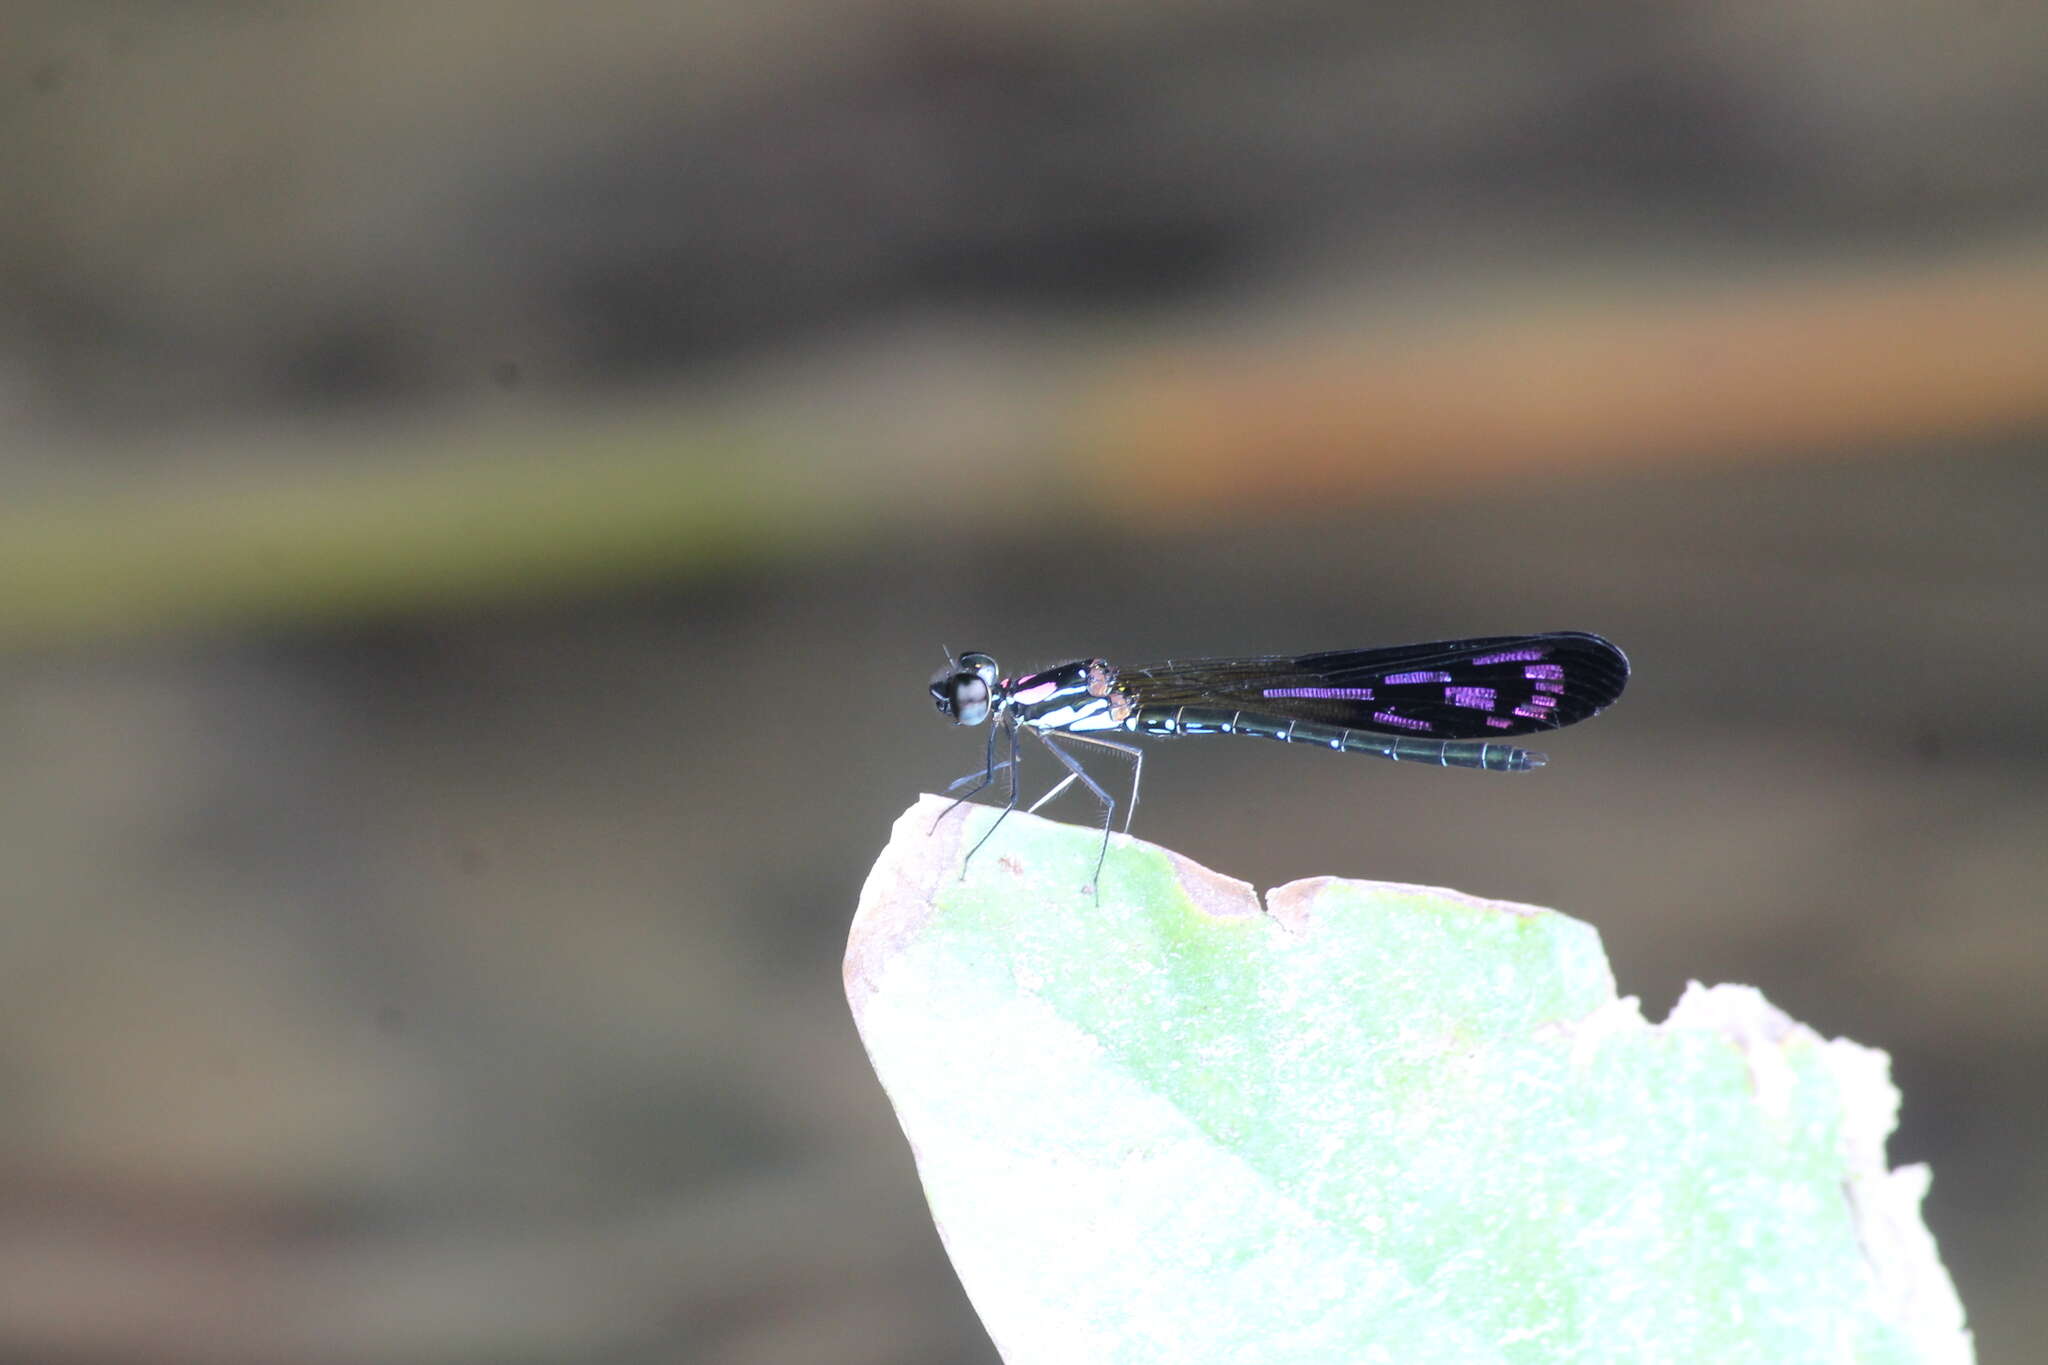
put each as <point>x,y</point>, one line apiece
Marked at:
<point>486,485</point>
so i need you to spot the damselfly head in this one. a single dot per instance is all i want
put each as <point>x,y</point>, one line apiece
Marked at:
<point>965,691</point>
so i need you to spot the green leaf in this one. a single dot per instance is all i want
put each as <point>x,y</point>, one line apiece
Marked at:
<point>1364,1122</point>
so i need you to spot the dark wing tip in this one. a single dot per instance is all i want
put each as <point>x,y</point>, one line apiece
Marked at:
<point>1600,669</point>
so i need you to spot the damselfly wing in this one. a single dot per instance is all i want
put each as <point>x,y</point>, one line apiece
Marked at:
<point>1461,689</point>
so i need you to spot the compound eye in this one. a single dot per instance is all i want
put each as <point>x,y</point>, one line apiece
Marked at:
<point>981,666</point>
<point>970,698</point>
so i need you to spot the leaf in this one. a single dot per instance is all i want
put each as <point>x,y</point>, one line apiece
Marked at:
<point>1367,1122</point>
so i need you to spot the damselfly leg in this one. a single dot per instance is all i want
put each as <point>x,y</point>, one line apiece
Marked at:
<point>976,776</point>
<point>1130,751</point>
<point>1009,727</point>
<point>1137,757</point>
<point>1109,803</point>
<point>987,775</point>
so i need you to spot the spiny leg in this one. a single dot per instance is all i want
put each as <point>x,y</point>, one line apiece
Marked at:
<point>1058,787</point>
<point>1009,806</point>
<point>1102,795</point>
<point>976,776</point>
<point>1130,751</point>
<point>988,775</point>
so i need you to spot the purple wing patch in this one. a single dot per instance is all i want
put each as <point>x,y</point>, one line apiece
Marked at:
<point>1458,689</point>
<point>1321,693</point>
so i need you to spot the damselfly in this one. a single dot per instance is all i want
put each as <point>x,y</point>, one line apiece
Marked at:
<point>1445,704</point>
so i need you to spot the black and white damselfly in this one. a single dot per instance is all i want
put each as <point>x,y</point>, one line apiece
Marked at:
<point>1447,704</point>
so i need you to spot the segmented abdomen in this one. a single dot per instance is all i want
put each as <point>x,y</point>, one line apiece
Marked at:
<point>1443,753</point>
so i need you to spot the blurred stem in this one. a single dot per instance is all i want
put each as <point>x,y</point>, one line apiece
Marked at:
<point>1591,374</point>
<point>320,542</point>
<point>1579,376</point>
